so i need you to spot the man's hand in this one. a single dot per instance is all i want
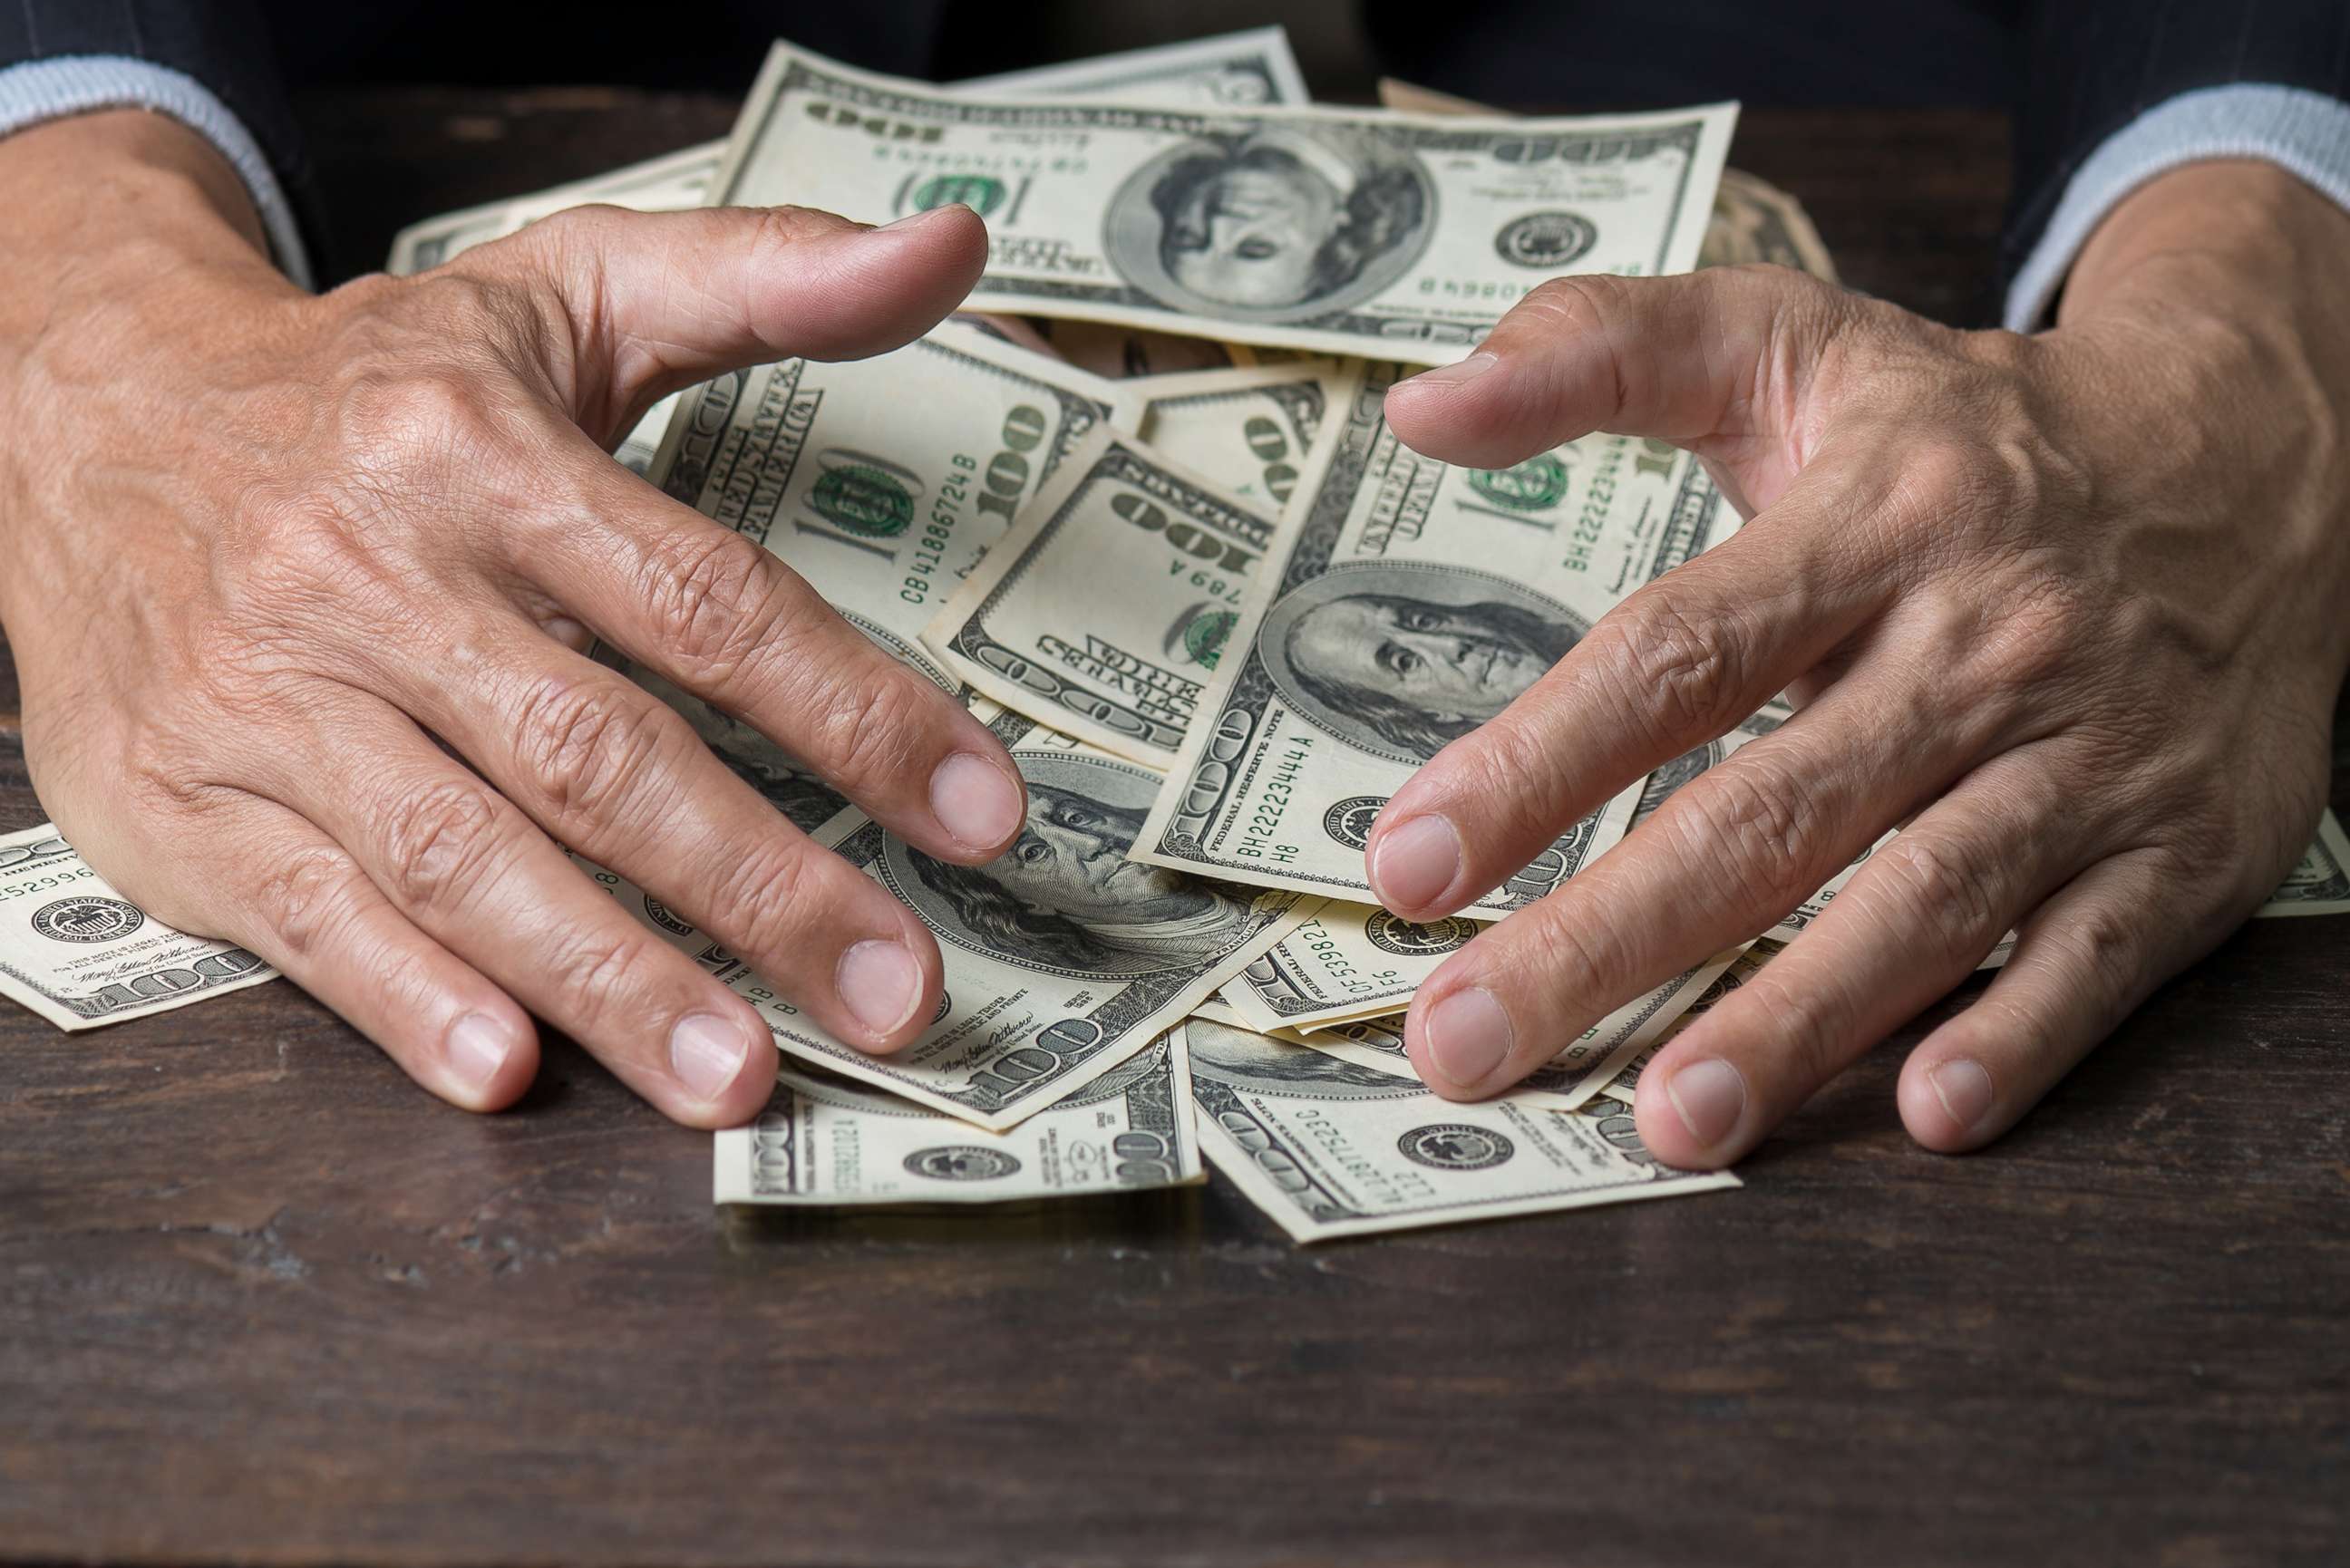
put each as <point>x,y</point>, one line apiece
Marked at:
<point>299,589</point>
<point>2071,607</point>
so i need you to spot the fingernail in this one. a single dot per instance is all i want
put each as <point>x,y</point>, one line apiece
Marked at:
<point>1416,862</point>
<point>975,801</point>
<point>916,219</point>
<point>1467,371</point>
<point>478,1045</point>
<point>1711,1096</point>
<point>1964,1089</point>
<point>706,1052</point>
<point>1469,1035</point>
<point>880,982</point>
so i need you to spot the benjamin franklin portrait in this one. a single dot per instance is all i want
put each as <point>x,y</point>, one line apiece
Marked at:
<point>1272,223</point>
<point>1064,897</point>
<point>1402,660</point>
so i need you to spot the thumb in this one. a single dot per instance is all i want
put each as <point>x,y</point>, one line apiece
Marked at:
<point>659,301</point>
<point>1713,353</point>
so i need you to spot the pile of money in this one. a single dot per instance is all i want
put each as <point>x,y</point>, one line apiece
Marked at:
<point>1139,506</point>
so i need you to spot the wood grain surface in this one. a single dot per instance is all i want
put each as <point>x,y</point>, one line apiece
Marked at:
<point>262,1300</point>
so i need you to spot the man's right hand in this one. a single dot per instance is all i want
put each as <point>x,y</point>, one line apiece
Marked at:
<point>299,589</point>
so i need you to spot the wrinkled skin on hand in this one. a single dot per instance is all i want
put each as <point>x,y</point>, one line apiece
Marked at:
<point>300,587</point>
<point>2072,607</point>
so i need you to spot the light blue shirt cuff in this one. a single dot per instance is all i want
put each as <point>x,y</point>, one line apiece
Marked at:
<point>2305,133</point>
<point>41,90</point>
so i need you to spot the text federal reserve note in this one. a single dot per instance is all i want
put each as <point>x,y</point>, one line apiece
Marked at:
<point>80,955</point>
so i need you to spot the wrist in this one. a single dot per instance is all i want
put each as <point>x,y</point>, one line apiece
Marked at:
<point>108,196</point>
<point>2208,313</point>
<point>126,234</point>
<point>2251,239</point>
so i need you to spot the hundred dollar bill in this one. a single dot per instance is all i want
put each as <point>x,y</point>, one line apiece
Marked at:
<point>1415,601</point>
<point>1329,1148</point>
<point>1237,70</point>
<point>2320,883</point>
<point>1568,1079</point>
<point>1063,957</point>
<point>1754,220</point>
<point>826,1143</point>
<point>1102,612</point>
<point>1305,228</point>
<point>80,954</point>
<point>883,481</point>
<point>1232,70</point>
<point>1251,430</point>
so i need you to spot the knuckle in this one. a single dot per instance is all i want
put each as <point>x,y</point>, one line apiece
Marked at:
<point>1514,770</point>
<point>588,227</point>
<point>304,899</point>
<point>584,743</point>
<point>397,422</point>
<point>1804,1029</point>
<point>713,600</point>
<point>2037,637</point>
<point>2104,942</point>
<point>1948,891</point>
<point>775,230</point>
<point>600,977</point>
<point>1584,303</point>
<point>439,844</point>
<point>1946,479</point>
<point>867,731</point>
<point>770,901</point>
<point>1552,963</point>
<point>1752,826</point>
<point>1680,669</point>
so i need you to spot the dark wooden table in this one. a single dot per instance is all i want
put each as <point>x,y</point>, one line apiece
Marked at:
<point>263,1301</point>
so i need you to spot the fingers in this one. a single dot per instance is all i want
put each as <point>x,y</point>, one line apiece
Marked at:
<point>1676,664</point>
<point>658,301</point>
<point>1724,858</point>
<point>451,856</point>
<point>613,772</point>
<point>2087,957</point>
<point>1678,358</point>
<point>1914,922</point>
<point>733,625</point>
<point>296,898</point>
